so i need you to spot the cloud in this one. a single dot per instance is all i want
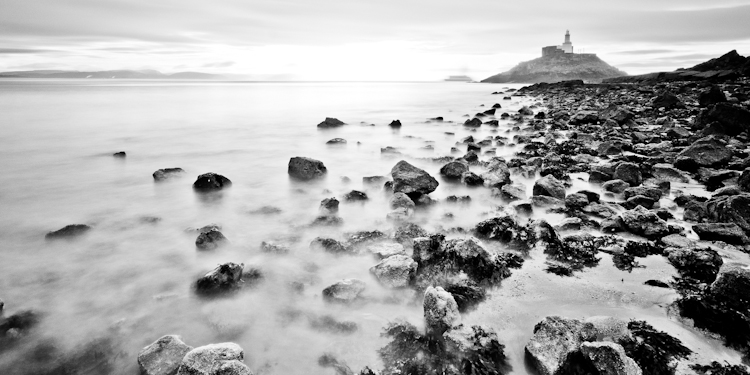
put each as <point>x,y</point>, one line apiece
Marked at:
<point>644,52</point>
<point>12,51</point>
<point>224,64</point>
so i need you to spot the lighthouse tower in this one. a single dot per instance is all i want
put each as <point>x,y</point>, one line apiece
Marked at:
<point>567,47</point>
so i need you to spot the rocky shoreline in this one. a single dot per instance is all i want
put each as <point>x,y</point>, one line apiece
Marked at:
<point>633,142</point>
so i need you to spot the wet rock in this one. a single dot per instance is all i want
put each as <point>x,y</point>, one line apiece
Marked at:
<point>505,229</point>
<point>68,232</point>
<point>716,368</point>
<point>654,351</point>
<point>119,154</point>
<point>224,278</point>
<point>640,200</point>
<point>273,248</point>
<point>344,291</point>
<point>215,359</point>
<point>355,196</point>
<point>726,118</point>
<point>454,169</point>
<point>17,325</point>
<point>656,283</point>
<point>610,358</point>
<point>163,356</point>
<point>576,201</point>
<point>210,240</point>
<point>336,141</point>
<point>364,237</point>
<point>374,180</point>
<point>666,100</point>
<point>303,168</point>
<point>549,186</point>
<point>555,338</point>
<point>401,200</point>
<point>584,117</point>
<point>628,172</point>
<point>211,182</point>
<point>395,124</point>
<point>395,271</point>
<point>327,221</point>
<point>406,232</point>
<point>330,361</point>
<point>440,311</point>
<point>615,186</point>
<point>711,96</point>
<point>411,180</point>
<point>732,286</point>
<point>471,179</point>
<point>384,250</point>
<point>730,209</point>
<point>652,193</point>
<point>705,152</point>
<point>458,199</point>
<point>497,175</point>
<point>331,122</point>
<point>728,232</point>
<point>329,205</point>
<point>466,292</point>
<point>610,148</point>
<point>167,173</point>
<point>328,245</point>
<point>618,114</point>
<point>677,241</point>
<point>525,111</point>
<point>643,222</point>
<point>545,201</point>
<point>702,264</point>
<point>513,192</point>
<point>668,173</point>
<point>473,123</point>
<point>744,181</point>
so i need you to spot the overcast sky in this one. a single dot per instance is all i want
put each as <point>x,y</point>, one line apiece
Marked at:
<point>362,40</point>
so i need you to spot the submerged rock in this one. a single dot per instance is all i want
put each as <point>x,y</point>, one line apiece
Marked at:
<point>210,240</point>
<point>329,205</point>
<point>167,173</point>
<point>355,196</point>
<point>303,168</point>
<point>211,182</point>
<point>411,180</point>
<point>329,245</point>
<point>164,356</point>
<point>344,291</point>
<point>68,232</point>
<point>331,122</point>
<point>224,278</point>
<point>215,359</point>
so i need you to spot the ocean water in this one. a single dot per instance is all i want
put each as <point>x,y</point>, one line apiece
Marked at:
<point>130,279</point>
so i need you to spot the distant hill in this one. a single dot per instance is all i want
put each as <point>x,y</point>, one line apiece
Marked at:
<point>556,68</point>
<point>109,74</point>
<point>729,66</point>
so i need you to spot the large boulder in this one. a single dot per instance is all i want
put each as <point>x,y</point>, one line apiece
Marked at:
<point>454,169</point>
<point>610,358</point>
<point>344,291</point>
<point>618,114</point>
<point>401,200</point>
<point>628,172</point>
<point>303,168</point>
<point>666,100</point>
<point>701,264</point>
<point>643,222</point>
<point>728,232</point>
<point>226,277</point>
<point>330,122</point>
<point>411,180</point>
<point>395,271</point>
<point>549,186</point>
<point>167,173</point>
<point>730,209</point>
<point>440,311</point>
<point>731,119</point>
<point>732,285</point>
<point>554,339</point>
<point>215,359</point>
<point>68,231</point>
<point>711,96</point>
<point>163,356</point>
<point>211,182</point>
<point>705,152</point>
<point>497,175</point>
<point>667,172</point>
<point>744,181</point>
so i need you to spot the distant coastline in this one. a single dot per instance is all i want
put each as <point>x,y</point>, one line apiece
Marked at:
<point>113,74</point>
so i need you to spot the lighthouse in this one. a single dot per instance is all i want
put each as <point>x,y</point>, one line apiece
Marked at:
<point>567,47</point>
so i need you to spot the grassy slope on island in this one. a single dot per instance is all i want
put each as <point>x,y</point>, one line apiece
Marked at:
<point>557,68</point>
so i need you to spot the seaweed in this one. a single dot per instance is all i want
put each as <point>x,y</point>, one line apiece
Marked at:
<point>716,368</point>
<point>653,350</point>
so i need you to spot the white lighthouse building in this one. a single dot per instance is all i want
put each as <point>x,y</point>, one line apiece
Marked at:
<point>567,47</point>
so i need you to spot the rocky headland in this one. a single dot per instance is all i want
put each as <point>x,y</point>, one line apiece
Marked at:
<point>556,68</point>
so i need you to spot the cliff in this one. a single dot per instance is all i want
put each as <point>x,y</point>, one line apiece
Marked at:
<point>556,68</point>
<point>729,66</point>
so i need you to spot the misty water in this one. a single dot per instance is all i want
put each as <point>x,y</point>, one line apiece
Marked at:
<point>131,278</point>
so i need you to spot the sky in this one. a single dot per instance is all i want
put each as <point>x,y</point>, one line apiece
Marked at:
<point>355,40</point>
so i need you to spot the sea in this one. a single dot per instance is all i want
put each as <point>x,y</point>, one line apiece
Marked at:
<point>131,278</point>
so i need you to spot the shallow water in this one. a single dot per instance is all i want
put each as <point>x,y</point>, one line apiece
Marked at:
<point>131,279</point>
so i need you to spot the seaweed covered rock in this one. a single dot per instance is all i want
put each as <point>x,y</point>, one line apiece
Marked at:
<point>506,230</point>
<point>303,168</point>
<point>163,356</point>
<point>224,278</point>
<point>411,180</point>
<point>555,339</point>
<point>654,351</point>
<point>643,222</point>
<point>215,359</point>
<point>211,182</point>
<point>702,264</point>
<point>609,358</point>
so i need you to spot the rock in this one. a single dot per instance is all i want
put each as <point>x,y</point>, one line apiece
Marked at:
<point>729,119</point>
<point>224,278</point>
<point>406,232</point>
<point>17,325</point>
<point>331,122</point>
<point>728,232</point>
<point>119,154</point>
<point>215,359</point>
<point>610,358</point>
<point>440,311</point>
<point>163,356</point>
<point>355,196</point>
<point>303,168</point>
<point>549,186</point>
<point>374,180</point>
<point>513,192</point>
<point>329,205</point>
<point>327,221</point>
<point>395,124</point>
<point>711,96</point>
<point>744,181</point>
<point>328,244</point>
<point>730,209</point>
<point>471,179</point>
<point>401,200</point>
<point>384,250</point>
<point>666,100</point>
<point>610,148</point>
<point>344,291</point>
<point>615,186</point>
<point>211,182</point>
<point>411,180</point>
<point>167,173</point>
<point>705,152</point>
<point>497,174</point>
<point>645,223</point>
<point>454,169</point>
<point>336,141</point>
<point>210,240</point>
<point>618,114</point>
<point>68,232</point>
<point>576,201</point>
<point>628,172</point>
<point>667,172</point>
<point>732,286</point>
<point>653,193</point>
<point>473,123</point>
<point>702,264</point>
<point>585,117</point>
<point>395,271</point>
<point>555,338</point>
<point>677,241</point>
<point>525,111</point>
<point>273,248</point>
